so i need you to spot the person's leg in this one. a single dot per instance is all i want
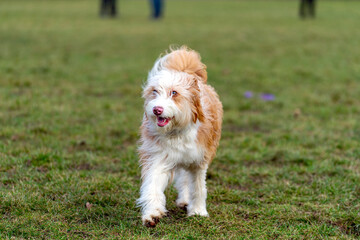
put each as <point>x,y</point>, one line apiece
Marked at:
<point>312,6</point>
<point>157,5</point>
<point>102,8</point>
<point>161,7</point>
<point>152,7</point>
<point>302,8</point>
<point>113,8</point>
<point>107,8</point>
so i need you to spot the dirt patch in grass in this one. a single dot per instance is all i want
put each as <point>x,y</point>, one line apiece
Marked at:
<point>348,227</point>
<point>82,166</point>
<point>78,233</point>
<point>40,131</point>
<point>246,215</point>
<point>241,187</point>
<point>42,169</point>
<point>258,178</point>
<point>79,147</point>
<point>176,214</point>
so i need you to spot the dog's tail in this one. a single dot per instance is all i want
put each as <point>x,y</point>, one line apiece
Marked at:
<point>184,59</point>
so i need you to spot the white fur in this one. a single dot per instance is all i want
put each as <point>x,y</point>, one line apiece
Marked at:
<point>174,151</point>
<point>173,156</point>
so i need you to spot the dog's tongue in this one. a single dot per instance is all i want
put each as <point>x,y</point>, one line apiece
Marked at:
<point>162,121</point>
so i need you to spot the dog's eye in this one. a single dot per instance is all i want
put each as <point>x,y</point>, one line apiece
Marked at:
<point>174,93</point>
<point>155,92</point>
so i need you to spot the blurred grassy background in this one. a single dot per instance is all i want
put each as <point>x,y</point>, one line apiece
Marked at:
<point>70,108</point>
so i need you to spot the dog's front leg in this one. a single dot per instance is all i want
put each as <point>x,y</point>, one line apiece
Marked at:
<point>152,198</point>
<point>197,205</point>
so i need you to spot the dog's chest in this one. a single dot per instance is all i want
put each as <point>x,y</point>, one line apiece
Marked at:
<point>183,149</point>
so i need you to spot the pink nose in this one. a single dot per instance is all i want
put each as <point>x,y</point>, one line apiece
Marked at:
<point>158,110</point>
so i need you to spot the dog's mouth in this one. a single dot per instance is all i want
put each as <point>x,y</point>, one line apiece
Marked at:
<point>162,122</point>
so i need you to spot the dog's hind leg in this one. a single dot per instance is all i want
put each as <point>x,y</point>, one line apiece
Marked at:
<point>182,184</point>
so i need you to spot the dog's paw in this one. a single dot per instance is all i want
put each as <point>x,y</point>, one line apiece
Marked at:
<point>198,212</point>
<point>151,223</point>
<point>152,219</point>
<point>182,205</point>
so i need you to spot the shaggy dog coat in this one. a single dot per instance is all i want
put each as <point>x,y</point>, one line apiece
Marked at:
<point>180,132</point>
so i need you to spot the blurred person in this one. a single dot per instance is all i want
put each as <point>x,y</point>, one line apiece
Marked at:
<point>108,8</point>
<point>307,8</point>
<point>157,6</point>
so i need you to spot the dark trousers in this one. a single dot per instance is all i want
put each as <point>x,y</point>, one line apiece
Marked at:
<point>307,8</point>
<point>108,8</point>
<point>157,6</point>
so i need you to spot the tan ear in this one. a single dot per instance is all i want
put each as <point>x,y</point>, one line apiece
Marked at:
<point>186,60</point>
<point>197,111</point>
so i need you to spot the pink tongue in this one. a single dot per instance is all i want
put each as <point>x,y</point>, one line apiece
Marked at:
<point>162,121</point>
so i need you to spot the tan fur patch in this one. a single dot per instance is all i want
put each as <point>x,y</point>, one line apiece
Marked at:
<point>196,104</point>
<point>210,130</point>
<point>186,60</point>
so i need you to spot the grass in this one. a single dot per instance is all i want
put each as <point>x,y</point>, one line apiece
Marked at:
<point>70,109</point>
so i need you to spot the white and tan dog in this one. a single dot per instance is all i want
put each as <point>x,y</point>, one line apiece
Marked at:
<point>179,135</point>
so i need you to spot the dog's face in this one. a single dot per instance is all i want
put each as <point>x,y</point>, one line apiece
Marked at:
<point>172,100</point>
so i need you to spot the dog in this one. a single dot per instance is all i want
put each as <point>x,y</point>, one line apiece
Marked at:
<point>180,133</point>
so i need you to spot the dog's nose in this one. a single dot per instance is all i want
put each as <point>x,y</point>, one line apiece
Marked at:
<point>158,110</point>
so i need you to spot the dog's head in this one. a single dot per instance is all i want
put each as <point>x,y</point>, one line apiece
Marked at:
<point>172,92</point>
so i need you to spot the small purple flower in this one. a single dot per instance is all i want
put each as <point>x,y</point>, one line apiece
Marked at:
<point>248,94</point>
<point>267,97</point>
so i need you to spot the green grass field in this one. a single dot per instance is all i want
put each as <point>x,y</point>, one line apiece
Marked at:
<point>70,109</point>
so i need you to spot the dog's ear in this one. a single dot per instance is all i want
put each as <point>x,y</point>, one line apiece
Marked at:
<point>197,111</point>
